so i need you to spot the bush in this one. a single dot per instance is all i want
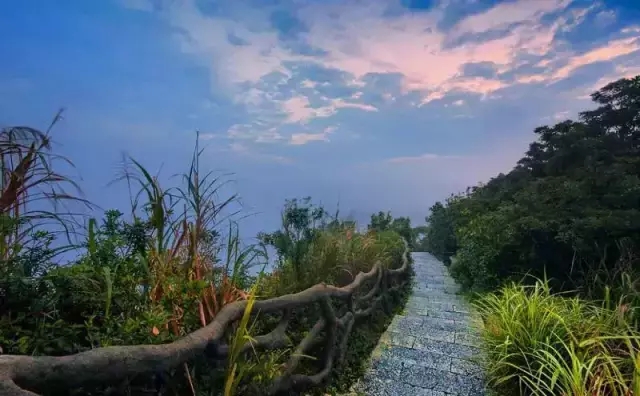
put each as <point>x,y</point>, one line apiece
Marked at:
<point>334,254</point>
<point>538,343</point>
<point>313,248</point>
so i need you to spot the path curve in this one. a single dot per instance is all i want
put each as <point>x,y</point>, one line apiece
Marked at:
<point>429,350</point>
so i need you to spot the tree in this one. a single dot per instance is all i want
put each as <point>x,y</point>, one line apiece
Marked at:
<point>562,209</point>
<point>300,222</point>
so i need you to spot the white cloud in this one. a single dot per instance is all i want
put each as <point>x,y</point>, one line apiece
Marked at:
<point>298,139</point>
<point>505,14</point>
<point>308,84</point>
<point>359,39</point>
<point>210,136</point>
<point>252,133</point>
<point>298,109</point>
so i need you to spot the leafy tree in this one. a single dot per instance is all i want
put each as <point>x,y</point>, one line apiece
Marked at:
<point>440,236</point>
<point>381,221</point>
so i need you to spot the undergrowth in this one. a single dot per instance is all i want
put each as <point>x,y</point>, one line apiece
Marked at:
<point>164,268</point>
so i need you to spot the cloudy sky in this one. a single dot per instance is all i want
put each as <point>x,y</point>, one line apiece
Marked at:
<point>377,105</point>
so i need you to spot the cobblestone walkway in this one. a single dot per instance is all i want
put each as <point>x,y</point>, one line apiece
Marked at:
<point>429,350</point>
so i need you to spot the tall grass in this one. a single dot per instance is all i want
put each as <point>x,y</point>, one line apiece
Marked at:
<point>237,368</point>
<point>32,192</point>
<point>182,257</point>
<point>538,343</point>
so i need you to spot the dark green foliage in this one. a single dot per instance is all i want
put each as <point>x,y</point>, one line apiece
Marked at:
<point>568,213</point>
<point>66,303</point>
<point>385,222</point>
<point>561,211</point>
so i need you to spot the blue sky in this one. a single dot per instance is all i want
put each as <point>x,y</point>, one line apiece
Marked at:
<point>378,105</point>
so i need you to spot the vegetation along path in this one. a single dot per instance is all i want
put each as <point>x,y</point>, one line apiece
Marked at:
<point>429,350</point>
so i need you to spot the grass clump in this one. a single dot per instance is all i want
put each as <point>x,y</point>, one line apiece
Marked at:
<point>540,343</point>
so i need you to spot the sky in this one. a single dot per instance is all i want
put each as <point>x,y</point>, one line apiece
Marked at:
<point>372,105</point>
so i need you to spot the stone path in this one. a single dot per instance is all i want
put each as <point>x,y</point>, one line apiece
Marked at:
<point>429,350</point>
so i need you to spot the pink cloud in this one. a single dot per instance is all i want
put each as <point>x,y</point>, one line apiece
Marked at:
<point>412,46</point>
